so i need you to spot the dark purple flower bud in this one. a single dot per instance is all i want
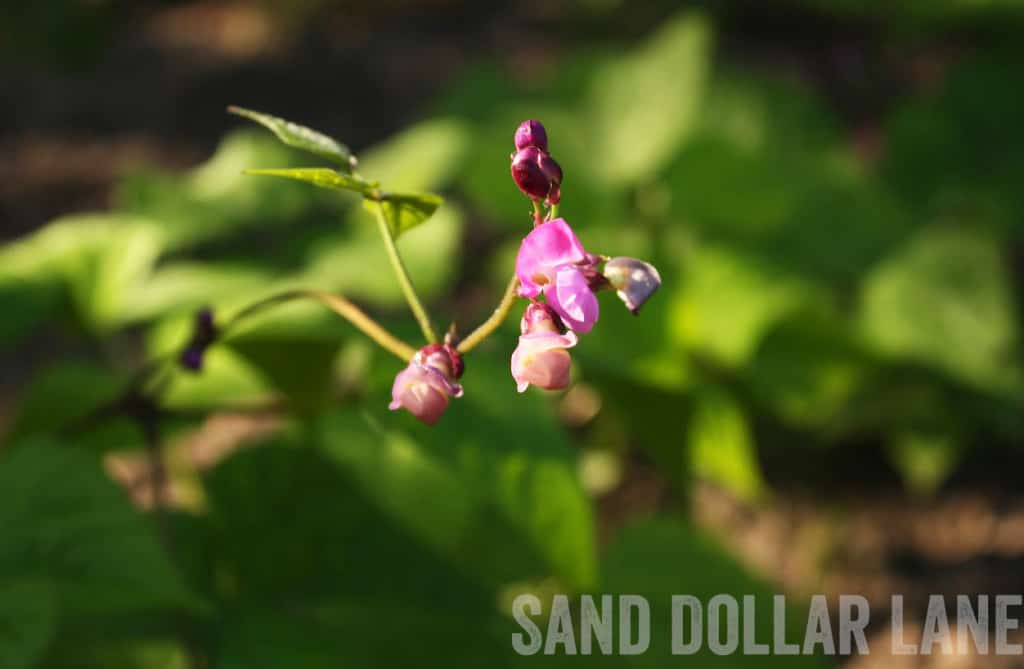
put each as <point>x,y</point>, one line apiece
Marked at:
<point>531,133</point>
<point>204,333</point>
<point>192,359</point>
<point>634,280</point>
<point>553,172</point>
<point>528,175</point>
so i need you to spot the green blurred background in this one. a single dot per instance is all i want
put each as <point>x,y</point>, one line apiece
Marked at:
<point>826,395</point>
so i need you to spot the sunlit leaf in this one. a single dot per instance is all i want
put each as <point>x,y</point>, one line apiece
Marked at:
<point>727,301</point>
<point>423,157</point>
<point>646,103</point>
<point>355,263</point>
<point>945,300</point>
<point>721,445</point>
<point>404,211</point>
<point>319,176</point>
<point>302,137</point>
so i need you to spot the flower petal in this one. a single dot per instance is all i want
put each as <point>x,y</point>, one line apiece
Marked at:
<point>573,300</point>
<point>541,360</point>
<point>548,247</point>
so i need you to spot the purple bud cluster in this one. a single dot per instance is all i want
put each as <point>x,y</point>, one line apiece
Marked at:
<point>533,169</point>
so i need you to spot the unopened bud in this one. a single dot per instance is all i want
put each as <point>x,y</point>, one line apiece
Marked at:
<point>540,317</point>
<point>553,172</point>
<point>528,175</point>
<point>634,280</point>
<point>204,332</point>
<point>531,133</point>
<point>423,388</point>
<point>442,357</point>
<point>542,358</point>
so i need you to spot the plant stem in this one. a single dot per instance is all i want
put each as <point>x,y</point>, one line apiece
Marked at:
<point>553,212</point>
<point>403,275</point>
<point>496,319</point>
<point>338,305</point>
<point>538,213</point>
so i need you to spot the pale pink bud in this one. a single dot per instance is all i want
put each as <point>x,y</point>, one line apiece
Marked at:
<point>423,388</point>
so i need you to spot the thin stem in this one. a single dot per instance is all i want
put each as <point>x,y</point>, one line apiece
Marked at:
<point>538,213</point>
<point>553,212</point>
<point>338,305</point>
<point>403,275</point>
<point>496,319</point>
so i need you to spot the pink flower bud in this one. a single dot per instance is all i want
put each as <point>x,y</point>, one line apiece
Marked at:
<point>539,317</point>
<point>531,133</point>
<point>423,388</point>
<point>541,359</point>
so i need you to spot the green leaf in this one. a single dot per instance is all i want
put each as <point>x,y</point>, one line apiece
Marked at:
<point>808,368</point>
<point>354,261</point>
<point>946,300</point>
<point>28,620</point>
<point>319,176</point>
<point>64,522</point>
<point>302,137</point>
<point>215,200</point>
<point>663,556</point>
<point>647,103</point>
<point>101,260</point>
<point>728,301</point>
<point>60,395</point>
<point>404,211</point>
<point>721,445</point>
<point>422,157</point>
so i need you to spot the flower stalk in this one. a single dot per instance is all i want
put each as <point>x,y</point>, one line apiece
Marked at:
<point>495,320</point>
<point>338,305</point>
<point>403,274</point>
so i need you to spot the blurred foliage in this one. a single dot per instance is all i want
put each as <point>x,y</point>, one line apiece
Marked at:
<point>810,293</point>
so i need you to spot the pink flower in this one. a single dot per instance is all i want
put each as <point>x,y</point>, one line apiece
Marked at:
<point>423,388</point>
<point>550,260</point>
<point>541,358</point>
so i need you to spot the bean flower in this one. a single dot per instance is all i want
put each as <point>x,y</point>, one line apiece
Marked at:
<point>423,388</point>
<point>542,358</point>
<point>552,261</point>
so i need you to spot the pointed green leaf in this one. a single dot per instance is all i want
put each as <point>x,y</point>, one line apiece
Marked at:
<point>404,211</point>
<point>302,137</point>
<point>646,103</point>
<point>319,176</point>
